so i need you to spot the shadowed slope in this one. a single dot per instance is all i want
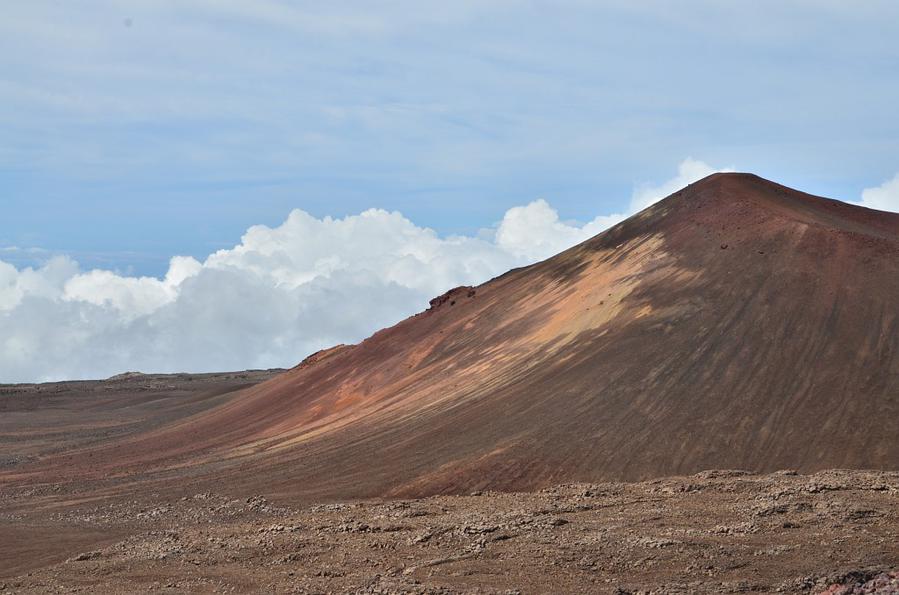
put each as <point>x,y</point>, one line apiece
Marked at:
<point>735,324</point>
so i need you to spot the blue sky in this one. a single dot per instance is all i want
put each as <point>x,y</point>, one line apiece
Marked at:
<point>132,131</point>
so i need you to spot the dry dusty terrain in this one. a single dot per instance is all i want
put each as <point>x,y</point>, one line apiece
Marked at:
<point>737,324</point>
<point>715,532</point>
<point>41,420</point>
<point>71,419</point>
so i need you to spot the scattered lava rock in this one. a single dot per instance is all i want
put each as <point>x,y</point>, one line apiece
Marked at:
<point>863,583</point>
<point>713,532</point>
<point>452,296</point>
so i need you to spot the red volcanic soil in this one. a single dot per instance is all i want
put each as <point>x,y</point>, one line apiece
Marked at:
<point>735,324</point>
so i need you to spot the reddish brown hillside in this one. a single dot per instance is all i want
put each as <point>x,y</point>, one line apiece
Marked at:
<point>735,324</point>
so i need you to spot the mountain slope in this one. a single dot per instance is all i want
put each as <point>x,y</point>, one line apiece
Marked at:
<point>735,324</point>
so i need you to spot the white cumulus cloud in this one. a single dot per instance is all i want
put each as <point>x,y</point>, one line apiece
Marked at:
<point>884,197</point>
<point>534,231</point>
<point>280,294</point>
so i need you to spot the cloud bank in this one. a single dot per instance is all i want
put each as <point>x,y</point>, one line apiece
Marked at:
<point>280,294</point>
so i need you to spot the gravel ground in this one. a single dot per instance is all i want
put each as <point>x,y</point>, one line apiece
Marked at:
<point>715,532</point>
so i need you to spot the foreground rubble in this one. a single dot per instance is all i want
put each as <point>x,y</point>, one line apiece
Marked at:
<point>722,531</point>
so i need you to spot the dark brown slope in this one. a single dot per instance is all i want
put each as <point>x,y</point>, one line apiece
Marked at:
<point>736,324</point>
